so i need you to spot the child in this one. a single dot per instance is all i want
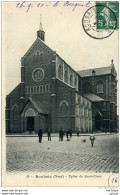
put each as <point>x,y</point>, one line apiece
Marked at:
<point>92,138</point>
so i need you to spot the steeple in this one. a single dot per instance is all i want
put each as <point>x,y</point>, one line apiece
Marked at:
<point>112,62</point>
<point>40,32</point>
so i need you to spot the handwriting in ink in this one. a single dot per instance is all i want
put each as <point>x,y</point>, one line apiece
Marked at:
<point>23,5</point>
<point>112,180</point>
<point>74,5</point>
<point>20,5</point>
<point>40,5</point>
<point>27,6</point>
<point>115,180</point>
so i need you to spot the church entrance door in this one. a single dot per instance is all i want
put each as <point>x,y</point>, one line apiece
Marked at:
<point>30,123</point>
<point>98,121</point>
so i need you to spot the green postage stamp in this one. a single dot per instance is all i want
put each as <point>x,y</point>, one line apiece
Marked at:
<point>107,15</point>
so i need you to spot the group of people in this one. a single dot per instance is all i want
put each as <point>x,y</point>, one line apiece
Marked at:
<point>68,134</point>
<point>62,133</point>
<point>40,133</point>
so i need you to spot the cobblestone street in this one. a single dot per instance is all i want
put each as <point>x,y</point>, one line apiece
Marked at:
<point>26,154</point>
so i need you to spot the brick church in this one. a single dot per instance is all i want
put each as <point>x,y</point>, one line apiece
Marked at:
<point>53,95</point>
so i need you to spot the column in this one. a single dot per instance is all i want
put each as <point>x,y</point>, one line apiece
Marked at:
<point>63,70</point>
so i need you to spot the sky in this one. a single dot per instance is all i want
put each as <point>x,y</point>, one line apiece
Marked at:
<point>63,33</point>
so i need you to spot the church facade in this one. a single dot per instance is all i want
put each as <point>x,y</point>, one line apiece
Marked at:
<point>53,95</point>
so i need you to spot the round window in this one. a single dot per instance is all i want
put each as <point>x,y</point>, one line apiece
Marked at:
<point>38,74</point>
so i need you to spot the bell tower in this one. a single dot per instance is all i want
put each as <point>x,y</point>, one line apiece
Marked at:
<point>40,32</point>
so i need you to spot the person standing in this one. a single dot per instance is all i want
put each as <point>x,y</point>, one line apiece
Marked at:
<point>92,139</point>
<point>61,133</point>
<point>78,132</point>
<point>70,134</point>
<point>49,135</point>
<point>40,132</point>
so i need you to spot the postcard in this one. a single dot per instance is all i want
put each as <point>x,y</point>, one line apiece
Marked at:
<point>60,93</point>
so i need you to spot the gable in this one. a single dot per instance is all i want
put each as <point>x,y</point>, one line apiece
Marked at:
<point>34,107</point>
<point>29,108</point>
<point>38,53</point>
<point>41,44</point>
<point>36,64</point>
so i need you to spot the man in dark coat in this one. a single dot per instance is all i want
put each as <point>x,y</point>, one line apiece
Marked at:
<point>40,132</point>
<point>61,133</point>
<point>78,132</point>
<point>49,135</point>
<point>68,135</point>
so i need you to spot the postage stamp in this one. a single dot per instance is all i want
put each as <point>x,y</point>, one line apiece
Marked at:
<point>107,13</point>
<point>96,25</point>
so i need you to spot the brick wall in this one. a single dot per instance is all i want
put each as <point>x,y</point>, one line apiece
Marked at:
<point>63,106</point>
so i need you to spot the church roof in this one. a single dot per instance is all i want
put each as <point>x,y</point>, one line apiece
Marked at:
<point>93,97</point>
<point>98,71</point>
<point>38,106</point>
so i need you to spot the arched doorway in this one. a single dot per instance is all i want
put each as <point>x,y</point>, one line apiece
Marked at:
<point>98,121</point>
<point>30,115</point>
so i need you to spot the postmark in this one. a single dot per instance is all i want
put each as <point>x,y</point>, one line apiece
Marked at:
<point>90,22</point>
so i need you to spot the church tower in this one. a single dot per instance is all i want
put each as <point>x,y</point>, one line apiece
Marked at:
<point>40,32</point>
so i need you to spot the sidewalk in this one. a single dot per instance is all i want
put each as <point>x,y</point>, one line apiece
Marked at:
<point>55,134</point>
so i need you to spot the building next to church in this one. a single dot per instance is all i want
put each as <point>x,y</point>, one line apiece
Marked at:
<point>53,95</point>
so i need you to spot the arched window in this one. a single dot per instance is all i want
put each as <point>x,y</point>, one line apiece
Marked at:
<point>28,90</point>
<point>87,112</point>
<point>75,82</point>
<point>40,88</point>
<point>47,88</point>
<point>37,89</point>
<point>60,71</point>
<point>100,87</point>
<point>71,79</point>
<point>32,90</point>
<point>87,88</point>
<point>43,88</point>
<point>66,76</point>
<point>83,111</point>
<point>63,109</point>
<point>79,86</point>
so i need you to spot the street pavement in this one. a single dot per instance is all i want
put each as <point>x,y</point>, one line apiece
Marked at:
<point>25,154</point>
